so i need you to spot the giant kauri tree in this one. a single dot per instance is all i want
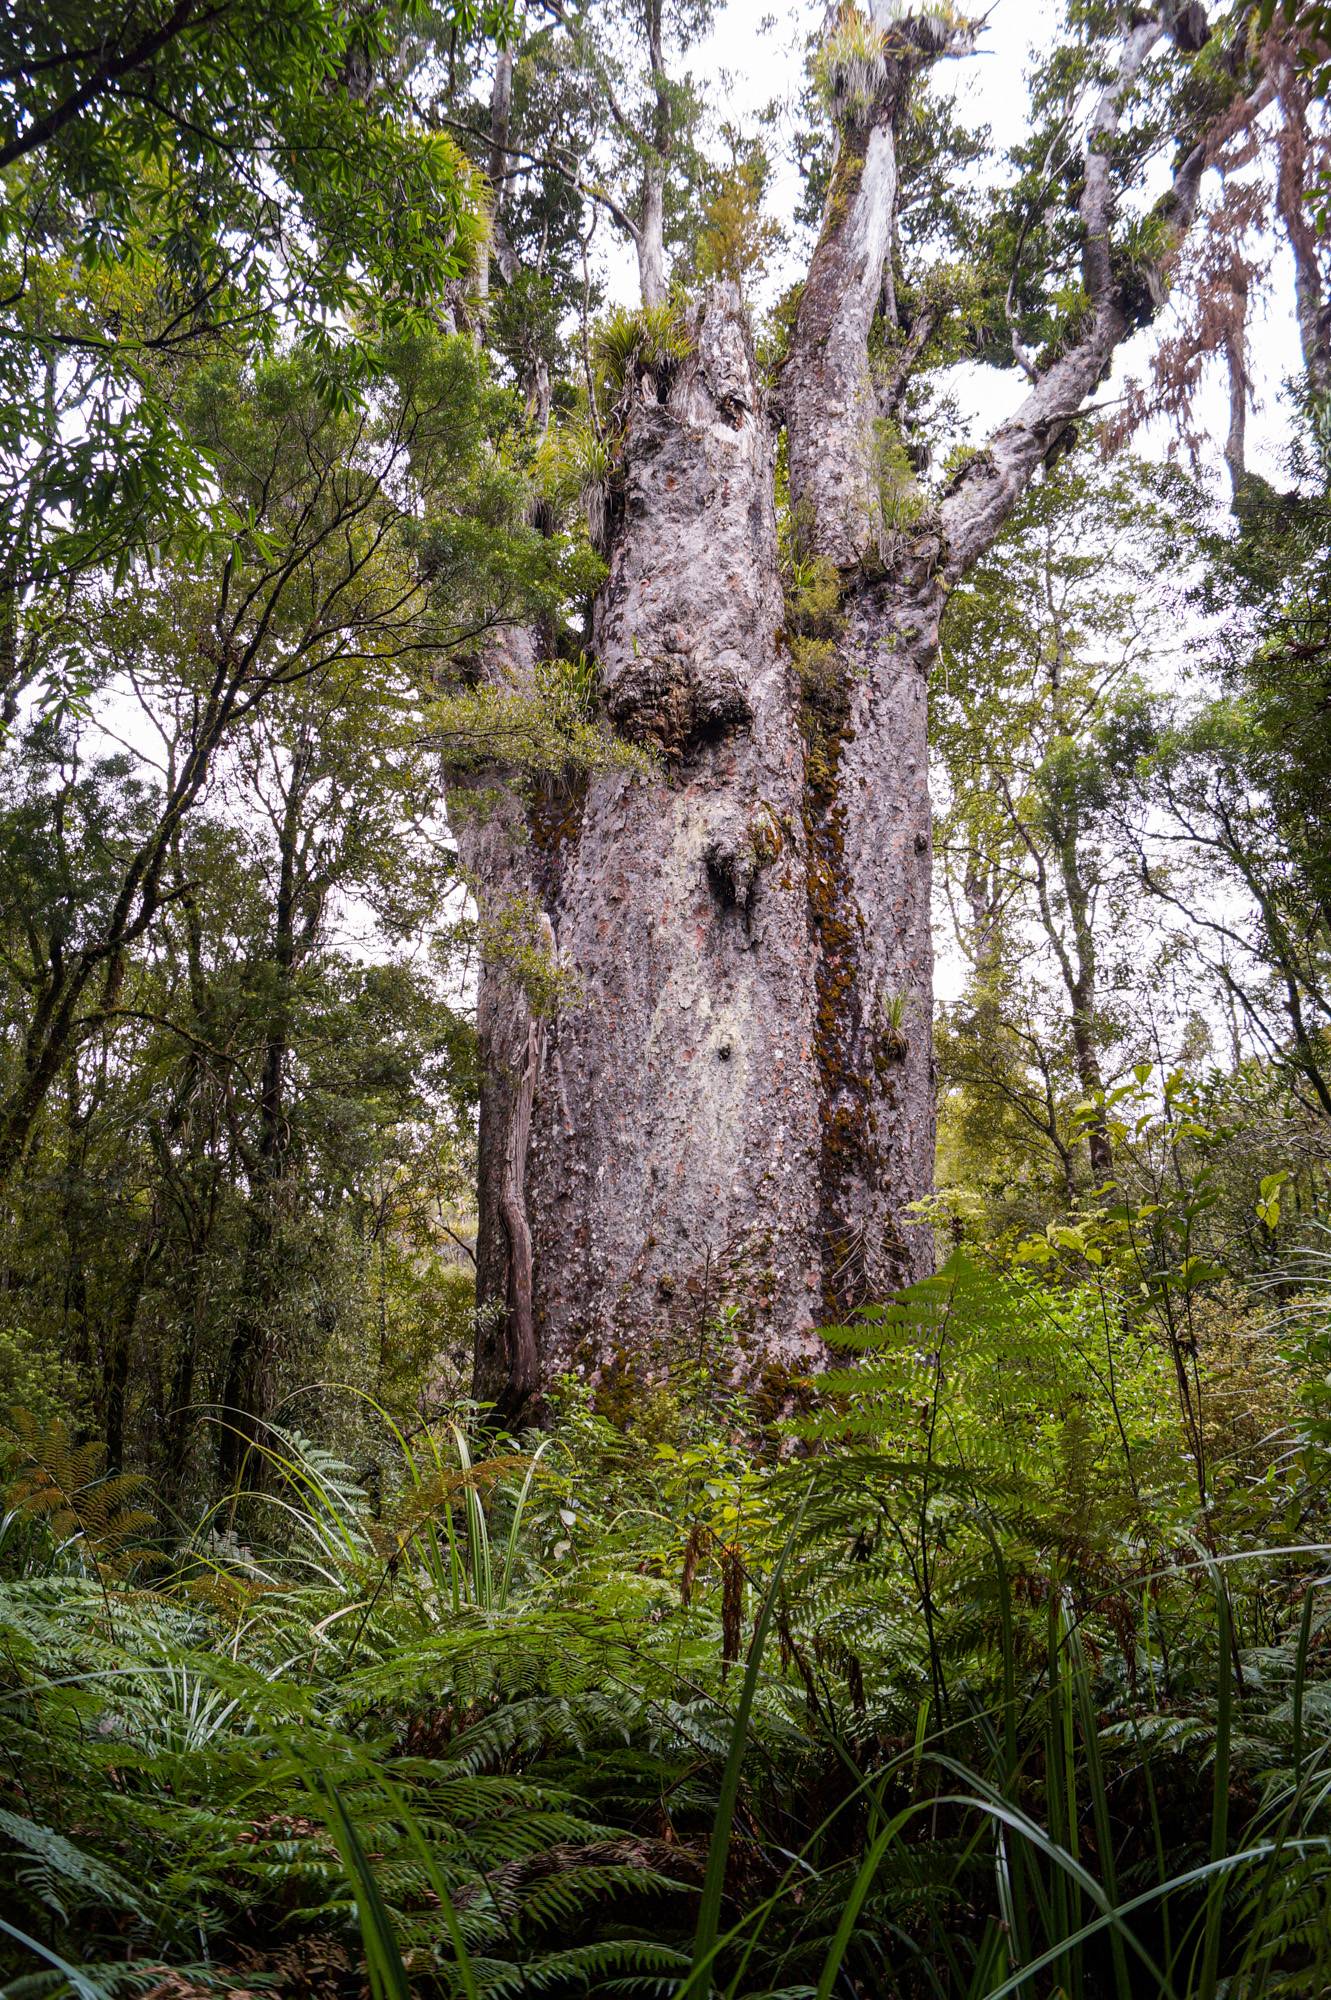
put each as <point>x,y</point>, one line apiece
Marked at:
<point>721,1111</point>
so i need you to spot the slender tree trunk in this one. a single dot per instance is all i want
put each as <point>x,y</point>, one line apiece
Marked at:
<point>1080,975</point>
<point>247,1385</point>
<point>74,1315</point>
<point>119,1345</point>
<point>501,863</point>
<point>178,1415</point>
<point>649,241</point>
<point>1296,204</point>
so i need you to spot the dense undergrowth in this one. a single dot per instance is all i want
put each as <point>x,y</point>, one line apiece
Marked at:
<point>970,1682</point>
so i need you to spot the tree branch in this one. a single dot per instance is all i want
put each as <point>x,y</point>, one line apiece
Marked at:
<point>985,491</point>
<point>44,129</point>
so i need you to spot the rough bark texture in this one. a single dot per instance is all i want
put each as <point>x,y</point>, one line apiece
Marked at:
<point>868,805</point>
<point>732,1109</point>
<point>1297,178</point>
<point>675,1132</point>
<point>649,237</point>
<point>728,1111</point>
<point>828,390</point>
<point>870,831</point>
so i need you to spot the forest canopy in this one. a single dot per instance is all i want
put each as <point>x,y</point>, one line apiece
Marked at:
<point>665,961</point>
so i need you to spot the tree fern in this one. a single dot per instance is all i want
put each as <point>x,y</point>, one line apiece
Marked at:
<point>60,1483</point>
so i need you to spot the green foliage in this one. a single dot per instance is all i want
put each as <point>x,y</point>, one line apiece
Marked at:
<point>478,1730</point>
<point>735,239</point>
<point>554,732</point>
<point>813,593</point>
<point>900,495</point>
<point>851,66</point>
<point>238,1079</point>
<point>1044,718</point>
<point>638,340</point>
<point>1001,1667</point>
<point>153,158</point>
<point>61,1485</point>
<point>1236,774</point>
<point>514,934</point>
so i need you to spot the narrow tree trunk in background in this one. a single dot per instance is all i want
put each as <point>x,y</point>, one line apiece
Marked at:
<point>649,240</point>
<point>500,862</point>
<point>75,1332</point>
<point>119,1346</point>
<point>1297,202</point>
<point>247,1382</point>
<point>1080,975</point>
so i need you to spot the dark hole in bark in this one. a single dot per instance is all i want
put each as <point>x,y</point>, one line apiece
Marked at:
<point>733,877</point>
<point>709,730</point>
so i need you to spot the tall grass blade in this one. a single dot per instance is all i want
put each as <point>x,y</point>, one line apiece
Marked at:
<point>389,1979</point>
<point>860,1888</point>
<point>1301,1677</point>
<point>478,1534</point>
<point>983,1798</point>
<point>713,1888</point>
<point>515,1525</point>
<point>1205,1872</point>
<point>86,1988</point>
<point>1095,1779</point>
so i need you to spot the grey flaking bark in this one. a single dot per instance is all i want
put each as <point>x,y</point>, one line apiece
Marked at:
<point>876,1010</point>
<point>828,390</point>
<point>728,1109</point>
<point>675,1132</point>
<point>731,1108</point>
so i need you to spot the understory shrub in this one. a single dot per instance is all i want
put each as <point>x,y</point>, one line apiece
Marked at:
<point>951,1686</point>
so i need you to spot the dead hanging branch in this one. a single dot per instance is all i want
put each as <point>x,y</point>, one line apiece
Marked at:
<point>987,488</point>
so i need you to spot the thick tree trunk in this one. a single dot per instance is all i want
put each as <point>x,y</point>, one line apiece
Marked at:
<point>870,830</point>
<point>869,791</point>
<point>716,1139</point>
<point>675,1137</point>
<point>728,1115</point>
